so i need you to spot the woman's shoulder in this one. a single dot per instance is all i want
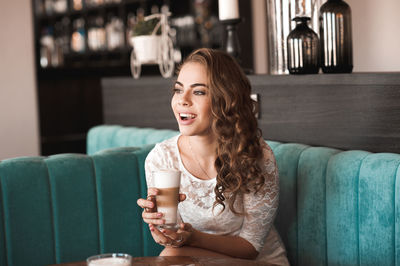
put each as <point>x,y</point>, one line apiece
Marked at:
<point>164,155</point>
<point>168,143</point>
<point>266,149</point>
<point>164,148</point>
<point>268,161</point>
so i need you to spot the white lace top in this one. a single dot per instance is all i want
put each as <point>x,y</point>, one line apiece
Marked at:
<point>197,209</point>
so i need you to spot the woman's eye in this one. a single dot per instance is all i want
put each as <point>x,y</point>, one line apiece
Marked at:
<point>199,92</point>
<point>177,90</point>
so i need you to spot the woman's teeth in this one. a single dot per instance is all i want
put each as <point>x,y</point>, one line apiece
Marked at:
<point>187,116</point>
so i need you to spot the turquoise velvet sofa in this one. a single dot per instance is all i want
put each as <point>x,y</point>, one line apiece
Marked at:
<point>336,207</point>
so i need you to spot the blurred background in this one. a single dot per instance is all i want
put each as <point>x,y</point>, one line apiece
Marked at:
<point>53,54</point>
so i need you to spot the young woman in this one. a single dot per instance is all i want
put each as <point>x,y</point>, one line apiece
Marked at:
<point>229,180</point>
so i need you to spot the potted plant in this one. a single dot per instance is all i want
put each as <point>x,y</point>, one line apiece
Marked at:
<point>145,40</point>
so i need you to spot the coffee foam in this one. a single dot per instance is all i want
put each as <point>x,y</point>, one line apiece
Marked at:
<point>167,178</point>
<point>110,262</point>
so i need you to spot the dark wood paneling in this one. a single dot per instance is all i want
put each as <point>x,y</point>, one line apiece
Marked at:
<point>68,109</point>
<point>142,103</point>
<point>346,111</point>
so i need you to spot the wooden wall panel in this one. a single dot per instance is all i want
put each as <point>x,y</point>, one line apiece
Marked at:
<point>345,111</point>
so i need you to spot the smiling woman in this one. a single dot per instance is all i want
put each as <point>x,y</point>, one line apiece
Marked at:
<point>229,182</point>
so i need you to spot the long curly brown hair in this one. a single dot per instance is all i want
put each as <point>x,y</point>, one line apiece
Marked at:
<point>238,144</point>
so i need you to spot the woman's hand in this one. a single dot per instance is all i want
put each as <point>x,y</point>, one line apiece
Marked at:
<point>150,217</point>
<point>169,238</point>
<point>153,217</point>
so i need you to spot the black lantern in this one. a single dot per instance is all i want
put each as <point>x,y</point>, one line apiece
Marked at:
<point>303,48</point>
<point>336,37</point>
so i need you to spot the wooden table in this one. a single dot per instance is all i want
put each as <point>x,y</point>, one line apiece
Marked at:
<point>189,261</point>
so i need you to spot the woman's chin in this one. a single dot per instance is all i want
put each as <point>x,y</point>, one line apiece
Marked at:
<point>186,132</point>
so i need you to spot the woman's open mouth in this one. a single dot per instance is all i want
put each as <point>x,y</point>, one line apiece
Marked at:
<point>186,116</point>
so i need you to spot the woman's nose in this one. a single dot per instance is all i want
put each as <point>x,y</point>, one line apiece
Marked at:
<point>185,99</point>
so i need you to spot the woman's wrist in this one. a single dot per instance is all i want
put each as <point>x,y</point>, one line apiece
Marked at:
<point>191,241</point>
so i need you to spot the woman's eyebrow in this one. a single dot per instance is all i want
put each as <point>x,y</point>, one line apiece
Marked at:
<point>193,85</point>
<point>198,85</point>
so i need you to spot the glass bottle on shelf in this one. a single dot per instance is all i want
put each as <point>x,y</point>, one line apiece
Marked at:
<point>61,40</point>
<point>60,6</point>
<point>336,37</point>
<point>115,33</point>
<point>302,48</point>
<point>77,4</point>
<point>78,42</point>
<point>97,34</point>
<point>46,47</point>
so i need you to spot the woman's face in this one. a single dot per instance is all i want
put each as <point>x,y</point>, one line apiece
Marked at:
<point>191,101</point>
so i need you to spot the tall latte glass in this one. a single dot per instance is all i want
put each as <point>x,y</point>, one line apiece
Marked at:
<point>168,182</point>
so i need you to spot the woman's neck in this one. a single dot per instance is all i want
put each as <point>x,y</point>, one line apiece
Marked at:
<point>204,146</point>
<point>198,155</point>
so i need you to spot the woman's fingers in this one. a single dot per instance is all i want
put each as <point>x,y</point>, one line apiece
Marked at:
<point>177,238</point>
<point>159,237</point>
<point>152,191</point>
<point>169,238</point>
<point>154,221</point>
<point>153,217</point>
<point>171,234</point>
<point>182,197</point>
<point>144,203</point>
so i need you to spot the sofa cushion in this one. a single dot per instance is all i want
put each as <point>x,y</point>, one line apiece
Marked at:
<point>68,207</point>
<point>336,207</point>
<point>377,218</point>
<point>110,136</point>
<point>342,202</point>
<point>26,213</point>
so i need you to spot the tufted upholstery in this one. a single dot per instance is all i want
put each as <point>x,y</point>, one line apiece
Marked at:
<point>68,207</point>
<point>339,208</point>
<point>336,207</point>
<point>110,136</point>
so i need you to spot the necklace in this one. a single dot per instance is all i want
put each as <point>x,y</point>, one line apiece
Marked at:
<point>195,158</point>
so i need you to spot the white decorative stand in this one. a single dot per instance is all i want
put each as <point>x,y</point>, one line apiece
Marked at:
<point>154,49</point>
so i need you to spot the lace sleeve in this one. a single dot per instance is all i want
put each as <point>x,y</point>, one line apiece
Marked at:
<point>260,208</point>
<point>154,161</point>
<point>149,166</point>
